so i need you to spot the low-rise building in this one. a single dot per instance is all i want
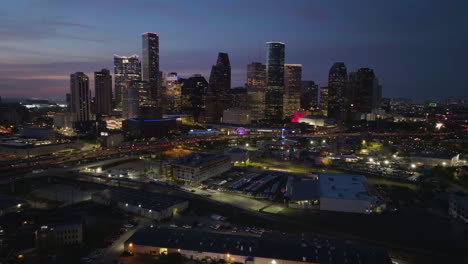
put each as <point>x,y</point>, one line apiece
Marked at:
<point>43,133</point>
<point>269,248</point>
<point>237,116</point>
<point>458,208</point>
<point>430,158</point>
<point>147,128</point>
<point>198,166</point>
<point>237,155</point>
<point>148,204</point>
<point>333,192</point>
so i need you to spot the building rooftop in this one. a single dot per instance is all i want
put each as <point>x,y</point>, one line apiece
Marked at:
<point>305,190</point>
<point>196,159</point>
<point>435,154</point>
<point>344,186</point>
<point>269,245</point>
<point>461,200</point>
<point>147,200</point>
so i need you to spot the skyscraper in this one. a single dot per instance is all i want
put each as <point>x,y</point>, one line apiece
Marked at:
<point>80,96</point>
<point>274,81</point>
<point>194,91</point>
<point>103,91</point>
<point>365,91</point>
<point>126,70</point>
<point>172,94</point>
<point>218,88</point>
<point>309,95</point>
<point>255,85</point>
<point>151,72</point>
<point>324,101</point>
<point>337,81</point>
<point>292,89</point>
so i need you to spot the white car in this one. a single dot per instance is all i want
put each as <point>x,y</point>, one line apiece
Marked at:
<point>128,225</point>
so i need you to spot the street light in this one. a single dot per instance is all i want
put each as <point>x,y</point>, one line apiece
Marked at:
<point>386,162</point>
<point>246,144</point>
<point>413,166</point>
<point>311,142</point>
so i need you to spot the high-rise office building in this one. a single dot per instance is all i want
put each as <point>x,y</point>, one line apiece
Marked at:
<point>218,88</point>
<point>80,96</point>
<point>274,81</point>
<point>292,89</point>
<point>126,70</point>
<point>364,91</point>
<point>256,87</point>
<point>194,90</point>
<point>103,91</point>
<point>131,102</point>
<point>151,72</point>
<point>324,101</point>
<point>309,95</point>
<point>172,94</point>
<point>337,82</point>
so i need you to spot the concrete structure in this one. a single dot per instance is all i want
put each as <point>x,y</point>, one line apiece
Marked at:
<point>458,208</point>
<point>269,248</point>
<point>198,166</point>
<point>429,158</point>
<point>148,204</point>
<point>238,116</point>
<point>333,192</point>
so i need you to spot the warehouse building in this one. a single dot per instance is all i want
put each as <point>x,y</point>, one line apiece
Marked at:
<point>269,248</point>
<point>148,204</point>
<point>333,192</point>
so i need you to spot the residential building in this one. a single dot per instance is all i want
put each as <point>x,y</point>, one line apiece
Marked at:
<point>103,91</point>
<point>292,89</point>
<point>80,96</point>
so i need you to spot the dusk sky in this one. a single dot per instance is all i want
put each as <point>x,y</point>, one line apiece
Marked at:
<point>418,49</point>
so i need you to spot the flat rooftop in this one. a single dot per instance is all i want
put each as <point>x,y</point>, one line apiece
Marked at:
<point>305,190</point>
<point>197,159</point>
<point>344,186</point>
<point>147,200</point>
<point>269,245</point>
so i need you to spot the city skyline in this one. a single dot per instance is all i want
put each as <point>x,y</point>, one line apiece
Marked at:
<point>395,44</point>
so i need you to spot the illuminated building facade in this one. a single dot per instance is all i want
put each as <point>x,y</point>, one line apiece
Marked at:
<point>255,86</point>
<point>324,101</point>
<point>80,96</point>
<point>292,89</point>
<point>194,90</point>
<point>103,90</point>
<point>172,94</point>
<point>126,70</point>
<point>274,81</point>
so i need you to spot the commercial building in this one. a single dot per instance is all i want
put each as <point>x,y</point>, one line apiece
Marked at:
<point>333,192</point>
<point>256,88</point>
<point>172,94</point>
<point>458,208</point>
<point>126,70</point>
<point>194,90</point>
<point>309,95</point>
<point>324,101</point>
<point>80,96</point>
<point>237,155</point>
<point>151,72</point>
<point>337,91</point>
<point>147,128</point>
<point>218,89</point>
<point>63,234</point>
<point>103,91</point>
<point>238,116</point>
<point>274,81</point>
<point>292,89</point>
<point>364,90</point>
<point>198,166</point>
<point>148,204</point>
<point>64,120</point>
<point>269,248</point>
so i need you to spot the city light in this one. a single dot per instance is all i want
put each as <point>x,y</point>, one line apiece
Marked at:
<point>386,162</point>
<point>439,126</point>
<point>413,166</point>
<point>246,144</point>
<point>371,160</point>
<point>311,142</point>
